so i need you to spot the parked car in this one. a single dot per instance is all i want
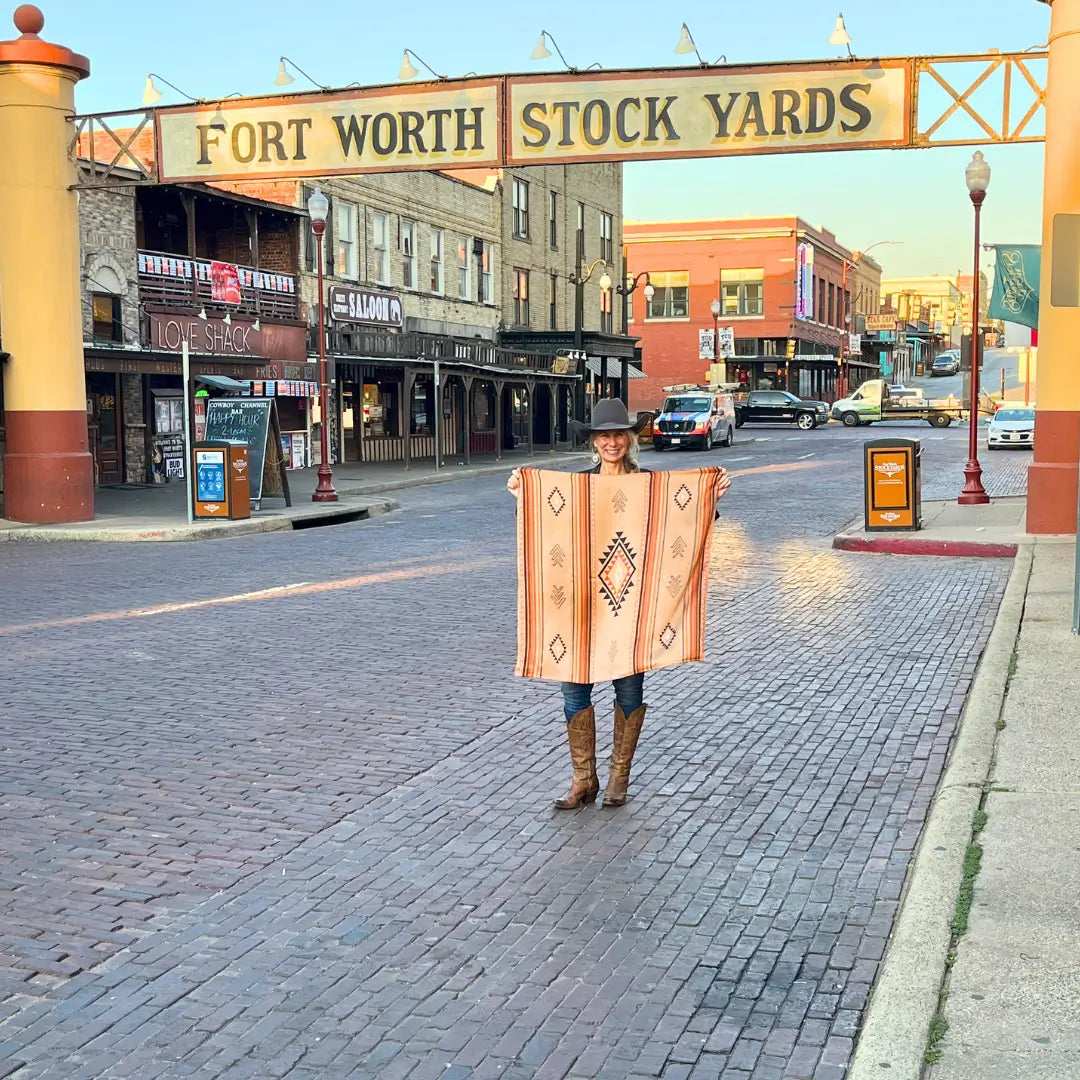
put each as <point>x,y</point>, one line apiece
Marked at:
<point>695,417</point>
<point>946,363</point>
<point>1011,426</point>
<point>780,407</point>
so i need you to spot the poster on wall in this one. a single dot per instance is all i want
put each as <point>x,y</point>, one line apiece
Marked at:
<point>225,282</point>
<point>804,281</point>
<point>706,345</point>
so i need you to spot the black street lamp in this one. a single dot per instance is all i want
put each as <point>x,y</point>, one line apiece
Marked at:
<point>624,289</point>
<point>318,207</point>
<point>578,280</point>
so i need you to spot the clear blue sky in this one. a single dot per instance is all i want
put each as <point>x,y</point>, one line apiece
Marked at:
<point>209,48</point>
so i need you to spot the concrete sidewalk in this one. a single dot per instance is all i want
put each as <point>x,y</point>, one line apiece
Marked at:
<point>159,512</point>
<point>999,997</point>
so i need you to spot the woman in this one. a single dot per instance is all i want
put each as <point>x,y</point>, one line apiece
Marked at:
<point>614,444</point>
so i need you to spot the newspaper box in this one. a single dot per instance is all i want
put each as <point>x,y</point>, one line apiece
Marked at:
<point>893,484</point>
<point>220,477</point>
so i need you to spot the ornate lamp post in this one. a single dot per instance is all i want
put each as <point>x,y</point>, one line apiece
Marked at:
<point>578,280</point>
<point>625,288</point>
<point>977,175</point>
<point>715,307</point>
<point>318,207</point>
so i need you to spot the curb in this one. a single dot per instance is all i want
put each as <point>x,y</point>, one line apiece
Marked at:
<point>905,997</point>
<point>456,474</point>
<point>222,530</point>
<point>902,545</point>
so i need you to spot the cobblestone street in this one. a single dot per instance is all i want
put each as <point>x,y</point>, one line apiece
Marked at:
<point>277,807</point>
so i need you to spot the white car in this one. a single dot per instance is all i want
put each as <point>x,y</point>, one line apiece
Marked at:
<point>1011,426</point>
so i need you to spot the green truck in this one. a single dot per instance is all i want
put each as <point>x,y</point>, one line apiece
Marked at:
<point>873,403</point>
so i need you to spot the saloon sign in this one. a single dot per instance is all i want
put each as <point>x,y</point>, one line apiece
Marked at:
<point>531,120</point>
<point>365,306</point>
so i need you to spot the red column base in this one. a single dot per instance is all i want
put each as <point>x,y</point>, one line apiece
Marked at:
<point>48,471</point>
<point>1052,477</point>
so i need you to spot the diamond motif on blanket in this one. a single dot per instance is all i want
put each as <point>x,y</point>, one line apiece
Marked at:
<point>556,500</point>
<point>667,636</point>
<point>618,565</point>
<point>683,497</point>
<point>558,648</point>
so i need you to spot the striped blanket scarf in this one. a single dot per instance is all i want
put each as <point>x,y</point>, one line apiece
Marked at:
<point>612,571</point>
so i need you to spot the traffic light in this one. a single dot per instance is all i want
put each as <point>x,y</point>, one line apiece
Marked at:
<point>790,348</point>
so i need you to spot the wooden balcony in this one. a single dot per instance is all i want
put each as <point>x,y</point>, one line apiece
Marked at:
<point>376,344</point>
<point>177,282</point>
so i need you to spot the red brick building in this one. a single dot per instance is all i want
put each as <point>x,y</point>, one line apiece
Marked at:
<point>776,278</point>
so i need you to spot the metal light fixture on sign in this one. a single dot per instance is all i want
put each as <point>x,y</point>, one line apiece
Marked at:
<point>840,36</point>
<point>256,326</point>
<point>151,93</point>
<point>217,121</point>
<point>686,42</point>
<point>283,78</point>
<point>410,71</point>
<point>542,52</point>
<point>202,314</point>
<point>228,319</point>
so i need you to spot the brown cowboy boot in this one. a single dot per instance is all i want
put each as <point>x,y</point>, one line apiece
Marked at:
<point>581,733</point>
<point>627,730</point>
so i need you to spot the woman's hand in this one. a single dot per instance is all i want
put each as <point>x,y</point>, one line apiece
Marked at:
<point>723,485</point>
<point>513,483</point>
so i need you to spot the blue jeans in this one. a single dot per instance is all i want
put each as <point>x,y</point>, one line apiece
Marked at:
<point>629,691</point>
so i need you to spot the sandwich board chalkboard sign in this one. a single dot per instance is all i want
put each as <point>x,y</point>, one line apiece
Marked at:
<point>253,421</point>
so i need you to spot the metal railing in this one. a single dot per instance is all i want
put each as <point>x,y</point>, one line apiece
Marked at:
<point>366,342</point>
<point>179,282</point>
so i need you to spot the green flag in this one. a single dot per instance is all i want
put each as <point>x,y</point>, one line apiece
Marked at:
<point>1016,284</point>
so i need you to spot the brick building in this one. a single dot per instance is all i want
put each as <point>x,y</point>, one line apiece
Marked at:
<point>146,262</point>
<point>777,279</point>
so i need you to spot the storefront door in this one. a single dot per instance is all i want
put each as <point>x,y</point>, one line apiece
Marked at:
<point>103,392</point>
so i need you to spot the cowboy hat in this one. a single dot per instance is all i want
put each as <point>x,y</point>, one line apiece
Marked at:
<point>608,414</point>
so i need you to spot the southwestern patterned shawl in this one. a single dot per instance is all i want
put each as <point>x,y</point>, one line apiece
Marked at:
<point>612,571</point>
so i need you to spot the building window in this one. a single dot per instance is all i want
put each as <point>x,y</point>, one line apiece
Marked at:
<point>607,249</point>
<point>380,243</point>
<point>437,261</point>
<point>408,254</point>
<point>605,311</point>
<point>832,304</point>
<point>553,219</point>
<point>820,300</point>
<point>487,281</point>
<point>553,302</point>
<point>521,209</point>
<point>742,292</point>
<point>671,295</point>
<point>346,263</point>
<point>581,230</point>
<point>464,262</point>
<point>521,297</point>
<point>106,315</point>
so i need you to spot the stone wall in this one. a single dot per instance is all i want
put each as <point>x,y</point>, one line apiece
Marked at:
<point>108,255</point>
<point>134,418</point>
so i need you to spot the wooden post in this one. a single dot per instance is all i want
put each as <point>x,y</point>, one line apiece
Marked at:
<point>499,387</point>
<point>553,397</point>
<point>188,200</point>
<point>530,390</point>
<point>467,382</point>
<point>252,217</point>
<point>406,413</point>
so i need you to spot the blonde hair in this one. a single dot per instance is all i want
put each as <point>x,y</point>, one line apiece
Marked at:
<point>630,461</point>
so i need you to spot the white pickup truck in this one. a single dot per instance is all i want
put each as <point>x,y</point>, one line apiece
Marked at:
<point>874,403</point>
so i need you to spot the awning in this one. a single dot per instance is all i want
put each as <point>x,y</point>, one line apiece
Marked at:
<point>613,367</point>
<point>223,382</point>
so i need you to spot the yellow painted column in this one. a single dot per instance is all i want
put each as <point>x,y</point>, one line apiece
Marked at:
<point>48,472</point>
<point>1052,477</point>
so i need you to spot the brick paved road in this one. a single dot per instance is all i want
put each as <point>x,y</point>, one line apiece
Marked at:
<point>307,834</point>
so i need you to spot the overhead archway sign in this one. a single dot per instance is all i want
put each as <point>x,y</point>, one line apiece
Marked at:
<point>630,115</point>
